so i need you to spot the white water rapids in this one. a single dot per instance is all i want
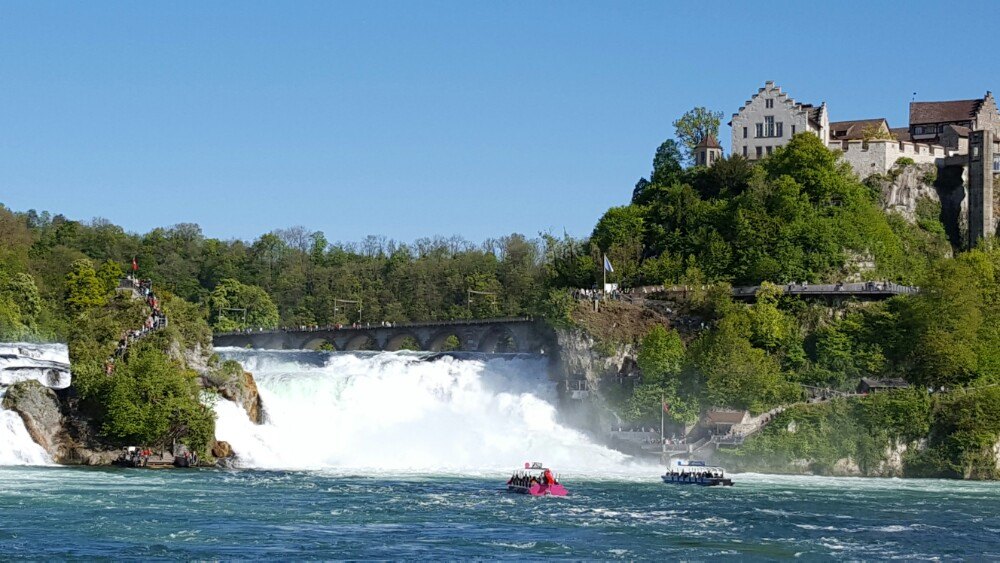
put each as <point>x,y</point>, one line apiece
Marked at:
<point>49,365</point>
<point>401,412</point>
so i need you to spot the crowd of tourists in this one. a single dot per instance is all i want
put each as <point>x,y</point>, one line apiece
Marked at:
<point>527,479</point>
<point>694,475</point>
<point>134,456</point>
<point>155,320</point>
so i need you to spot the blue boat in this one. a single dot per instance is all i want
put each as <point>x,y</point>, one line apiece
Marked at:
<point>686,472</point>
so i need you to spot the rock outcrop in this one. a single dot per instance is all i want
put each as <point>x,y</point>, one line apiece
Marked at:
<point>221,449</point>
<point>582,357</point>
<point>238,386</point>
<point>39,408</point>
<point>905,185</point>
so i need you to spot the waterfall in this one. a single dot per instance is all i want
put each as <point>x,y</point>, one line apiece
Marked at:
<point>20,361</point>
<point>404,411</point>
<point>16,445</point>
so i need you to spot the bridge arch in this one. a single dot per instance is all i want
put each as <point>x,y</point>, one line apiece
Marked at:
<point>362,341</point>
<point>319,343</point>
<point>404,341</point>
<point>498,341</point>
<point>446,341</point>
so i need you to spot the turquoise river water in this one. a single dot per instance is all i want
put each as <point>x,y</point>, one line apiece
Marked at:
<point>50,512</point>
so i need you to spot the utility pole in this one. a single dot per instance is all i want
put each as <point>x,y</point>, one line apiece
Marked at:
<point>221,309</point>
<point>337,301</point>
<point>471,292</point>
<point>662,442</point>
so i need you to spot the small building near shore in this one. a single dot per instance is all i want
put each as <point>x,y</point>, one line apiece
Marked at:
<point>725,421</point>
<point>869,385</point>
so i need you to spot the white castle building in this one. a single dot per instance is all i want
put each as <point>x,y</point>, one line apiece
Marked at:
<point>961,137</point>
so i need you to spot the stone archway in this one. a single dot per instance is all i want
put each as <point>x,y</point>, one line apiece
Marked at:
<point>403,341</point>
<point>446,341</point>
<point>361,342</point>
<point>320,344</point>
<point>498,341</point>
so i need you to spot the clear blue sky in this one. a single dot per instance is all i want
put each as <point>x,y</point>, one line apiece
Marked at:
<point>411,119</point>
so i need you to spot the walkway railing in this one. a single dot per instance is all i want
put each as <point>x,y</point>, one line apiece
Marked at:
<point>861,289</point>
<point>369,326</point>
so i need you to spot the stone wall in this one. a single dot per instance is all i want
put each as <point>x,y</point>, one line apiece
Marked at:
<point>878,156</point>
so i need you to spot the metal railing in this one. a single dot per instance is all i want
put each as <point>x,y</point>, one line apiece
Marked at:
<point>369,327</point>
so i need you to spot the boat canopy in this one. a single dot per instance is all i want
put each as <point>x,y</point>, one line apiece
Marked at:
<point>685,466</point>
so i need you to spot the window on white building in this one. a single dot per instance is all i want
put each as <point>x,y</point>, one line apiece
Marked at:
<point>780,129</point>
<point>768,125</point>
<point>768,150</point>
<point>769,103</point>
<point>744,132</point>
<point>996,163</point>
<point>744,151</point>
<point>793,130</point>
<point>760,152</point>
<point>760,130</point>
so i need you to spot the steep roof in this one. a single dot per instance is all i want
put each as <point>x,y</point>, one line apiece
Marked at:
<point>709,142</point>
<point>959,130</point>
<point>901,133</point>
<point>815,113</point>
<point>854,130</point>
<point>939,112</point>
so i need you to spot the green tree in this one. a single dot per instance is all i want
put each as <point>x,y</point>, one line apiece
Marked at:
<point>661,355</point>
<point>619,234</point>
<point>234,306</point>
<point>660,359</point>
<point>695,125</point>
<point>110,273</point>
<point>666,163</point>
<point>83,289</point>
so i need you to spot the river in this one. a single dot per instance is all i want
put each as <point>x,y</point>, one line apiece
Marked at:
<point>396,455</point>
<point>224,514</point>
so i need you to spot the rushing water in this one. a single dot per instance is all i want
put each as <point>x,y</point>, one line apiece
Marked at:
<point>378,456</point>
<point>21,361</point>
<point>207,514</point>
<point>404,412</point>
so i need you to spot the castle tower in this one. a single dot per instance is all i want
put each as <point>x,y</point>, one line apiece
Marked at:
<point>708,151</point>
<point>981,170</point>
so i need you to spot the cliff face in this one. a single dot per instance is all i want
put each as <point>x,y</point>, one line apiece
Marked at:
<point>582,357</point>
<point>905,186</point>
<point>605,340</point>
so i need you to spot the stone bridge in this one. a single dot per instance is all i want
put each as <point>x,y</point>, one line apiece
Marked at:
<point>520,334</point>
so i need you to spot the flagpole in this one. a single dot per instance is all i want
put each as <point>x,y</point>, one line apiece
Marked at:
<point>661,422</point>
<point>604,269</point>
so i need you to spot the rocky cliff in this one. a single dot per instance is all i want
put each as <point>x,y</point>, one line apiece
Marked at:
<point>905,186</point>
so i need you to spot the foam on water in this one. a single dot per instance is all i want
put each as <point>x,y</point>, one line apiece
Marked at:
<point>399,412</point>
<point>46,363</point>
<point>21,361</point>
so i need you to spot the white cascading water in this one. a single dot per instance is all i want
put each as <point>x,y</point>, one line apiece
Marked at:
<point>49,365</point>
<point>399,411</point>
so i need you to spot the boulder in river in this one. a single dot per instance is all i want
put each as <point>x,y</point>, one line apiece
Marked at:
<point>39,408</point>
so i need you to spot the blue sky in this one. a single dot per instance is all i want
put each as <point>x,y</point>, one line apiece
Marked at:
<point>412,119</point>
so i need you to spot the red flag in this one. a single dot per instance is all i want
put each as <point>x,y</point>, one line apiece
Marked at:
<point>135,265</point>
<point>666,406</point>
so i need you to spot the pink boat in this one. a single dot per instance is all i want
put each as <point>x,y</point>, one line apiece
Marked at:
<point>535,480</point>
